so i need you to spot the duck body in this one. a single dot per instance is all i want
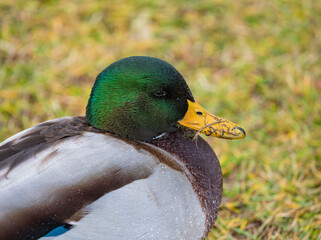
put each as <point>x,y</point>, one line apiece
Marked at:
<point>167,188</point>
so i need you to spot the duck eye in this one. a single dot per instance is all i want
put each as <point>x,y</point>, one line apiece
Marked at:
<point>159,93</point>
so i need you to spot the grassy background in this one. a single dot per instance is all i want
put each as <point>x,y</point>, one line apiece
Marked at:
<point>254,62</point>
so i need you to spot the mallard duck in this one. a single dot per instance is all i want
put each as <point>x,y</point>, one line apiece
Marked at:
<point>129,169</point>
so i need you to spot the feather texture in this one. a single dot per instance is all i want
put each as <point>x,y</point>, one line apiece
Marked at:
<point>65,171</point>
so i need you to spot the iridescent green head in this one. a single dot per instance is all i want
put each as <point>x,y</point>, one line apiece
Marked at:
<point>138,98</point>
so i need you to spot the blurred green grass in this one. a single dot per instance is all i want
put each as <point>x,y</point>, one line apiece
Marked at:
<point>253,62</point>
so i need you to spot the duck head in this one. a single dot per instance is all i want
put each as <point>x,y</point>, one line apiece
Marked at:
<point>142,97</point>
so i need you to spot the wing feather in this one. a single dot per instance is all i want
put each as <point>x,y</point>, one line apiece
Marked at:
<point>51,171</point>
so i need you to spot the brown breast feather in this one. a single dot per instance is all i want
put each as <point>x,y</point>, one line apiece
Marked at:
<point>204,170</point>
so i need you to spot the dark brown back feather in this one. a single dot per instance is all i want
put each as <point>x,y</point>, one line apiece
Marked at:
<point>40,136</point>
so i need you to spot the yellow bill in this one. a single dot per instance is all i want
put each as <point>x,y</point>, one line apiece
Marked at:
<point>199,119</point>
